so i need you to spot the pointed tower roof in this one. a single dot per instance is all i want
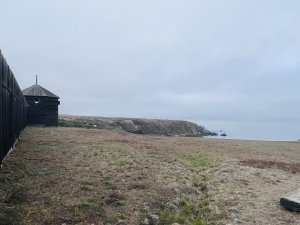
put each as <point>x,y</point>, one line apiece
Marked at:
<point>37,90</point>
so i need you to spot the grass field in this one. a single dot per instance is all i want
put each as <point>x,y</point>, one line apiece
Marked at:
<point>91,176</point>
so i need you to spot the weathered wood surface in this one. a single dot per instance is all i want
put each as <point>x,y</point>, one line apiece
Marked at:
<point>13,109</point>
<point>291,201</point>
<point>42,110</point>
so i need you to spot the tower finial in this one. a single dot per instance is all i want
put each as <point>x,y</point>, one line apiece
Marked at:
<point>36,79</point>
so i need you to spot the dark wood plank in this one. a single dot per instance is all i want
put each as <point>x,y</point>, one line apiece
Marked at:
<point>13,109</point>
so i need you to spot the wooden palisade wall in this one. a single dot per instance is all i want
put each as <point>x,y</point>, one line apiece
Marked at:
<point>13,109</point>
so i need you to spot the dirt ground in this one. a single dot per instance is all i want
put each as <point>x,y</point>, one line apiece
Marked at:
<point>90,176</point>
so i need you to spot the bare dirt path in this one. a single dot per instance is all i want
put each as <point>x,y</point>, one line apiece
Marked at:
<point>89,176</point>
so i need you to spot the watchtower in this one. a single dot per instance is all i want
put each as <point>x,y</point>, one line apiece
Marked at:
<point>42,105</point>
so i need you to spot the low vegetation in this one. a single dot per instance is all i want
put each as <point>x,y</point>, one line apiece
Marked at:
<point>189,213</point>
<point>91,176</point>
<point>291,167</point>
<point>198,161</point>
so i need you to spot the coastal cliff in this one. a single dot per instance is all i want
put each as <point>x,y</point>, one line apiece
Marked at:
<point>138,126</point>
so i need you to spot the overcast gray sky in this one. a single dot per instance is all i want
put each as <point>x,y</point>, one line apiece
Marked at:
<point>177,59</point>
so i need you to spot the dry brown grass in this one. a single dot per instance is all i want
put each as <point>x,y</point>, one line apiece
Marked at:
<point>87,176</point>
<point>290,167</point>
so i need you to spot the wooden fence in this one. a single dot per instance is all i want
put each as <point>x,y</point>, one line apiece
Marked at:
<point>13,109</point>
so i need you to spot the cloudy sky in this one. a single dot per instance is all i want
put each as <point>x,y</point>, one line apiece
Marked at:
<point>199,60</point>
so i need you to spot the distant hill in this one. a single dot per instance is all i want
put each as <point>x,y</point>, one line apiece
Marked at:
<point>138,126</point>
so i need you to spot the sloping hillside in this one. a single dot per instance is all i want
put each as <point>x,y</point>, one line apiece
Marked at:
<point>139,126</point>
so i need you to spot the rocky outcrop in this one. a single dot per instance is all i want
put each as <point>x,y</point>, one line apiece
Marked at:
<point>291,201</point>
<point>204,132</point>
<point>137,126</point>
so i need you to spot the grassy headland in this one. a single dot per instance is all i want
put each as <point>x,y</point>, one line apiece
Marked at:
<point>137,126</point>
<point>91,176</point>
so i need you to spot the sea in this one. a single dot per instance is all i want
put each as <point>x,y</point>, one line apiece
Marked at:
<point>254,130</point>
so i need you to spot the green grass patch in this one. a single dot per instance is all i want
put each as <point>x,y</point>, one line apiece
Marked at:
<point>189,214</point>
<point>197,161</point>
<point>116,147</point>
<point>200,183</point>
<point>74,123</point>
